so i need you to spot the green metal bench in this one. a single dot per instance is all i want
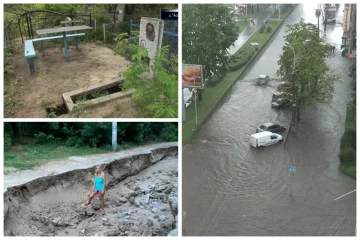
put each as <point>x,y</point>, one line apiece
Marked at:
<point>42,40</point>
<point>30,55</point>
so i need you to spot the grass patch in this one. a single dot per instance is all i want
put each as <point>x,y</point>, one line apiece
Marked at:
<point>242,25</point>
<point>28,156</point>
<point>212,95</point>
<point>348,142</point>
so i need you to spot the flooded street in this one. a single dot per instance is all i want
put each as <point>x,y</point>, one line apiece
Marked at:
<point>231,189</point>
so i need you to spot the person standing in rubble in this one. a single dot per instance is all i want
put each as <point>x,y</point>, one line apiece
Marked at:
<point>99,188</point>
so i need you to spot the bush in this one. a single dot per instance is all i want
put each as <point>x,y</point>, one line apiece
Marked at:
<point>7,142</point>
<point>347,155</point>
<point>349,139</point>
<point>42,138</point>
<point>262,29</point>
<point>256,49</point>
<point>169,133</point>
<point>269,29</point>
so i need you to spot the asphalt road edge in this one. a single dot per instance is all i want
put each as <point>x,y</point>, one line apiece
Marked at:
<point>248,66</point>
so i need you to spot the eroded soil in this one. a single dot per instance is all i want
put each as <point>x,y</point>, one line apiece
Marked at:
<point>137,201</point>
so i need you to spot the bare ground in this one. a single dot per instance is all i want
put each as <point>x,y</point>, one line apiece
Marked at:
<point>28,96</point>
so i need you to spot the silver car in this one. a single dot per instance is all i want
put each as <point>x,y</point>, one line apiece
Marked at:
<point>262,80</point>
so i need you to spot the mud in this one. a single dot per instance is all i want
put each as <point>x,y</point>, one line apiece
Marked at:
<point>137,198</point>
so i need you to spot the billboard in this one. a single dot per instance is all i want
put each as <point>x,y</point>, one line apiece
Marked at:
<point>192,76</point>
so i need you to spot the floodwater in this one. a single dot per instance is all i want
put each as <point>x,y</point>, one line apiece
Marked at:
<point>230,189</point>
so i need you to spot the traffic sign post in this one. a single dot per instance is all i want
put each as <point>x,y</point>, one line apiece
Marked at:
<point>291,170</point>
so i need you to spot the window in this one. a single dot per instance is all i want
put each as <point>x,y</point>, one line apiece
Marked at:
<point>262,127</point>
<point>273,137</point>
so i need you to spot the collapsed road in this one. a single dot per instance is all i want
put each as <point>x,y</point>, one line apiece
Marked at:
<point>141,197</point>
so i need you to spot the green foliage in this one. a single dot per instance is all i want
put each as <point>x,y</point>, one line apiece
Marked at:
<point>268,29</point>
<point>8,55</point>
<point>156,94</point>
<point>7,142</point>
<point>99,94</point>
<point>89,134</point>
<point>42,138</point>
<point>313,79</point>
<point>208,31</point>
<point>169,132</point>
<point>347,154</point>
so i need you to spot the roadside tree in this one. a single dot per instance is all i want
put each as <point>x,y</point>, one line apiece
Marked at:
<point>208,31</point>
<point>303,64</point>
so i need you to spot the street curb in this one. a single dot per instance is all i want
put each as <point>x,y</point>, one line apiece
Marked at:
<point>246,69</point>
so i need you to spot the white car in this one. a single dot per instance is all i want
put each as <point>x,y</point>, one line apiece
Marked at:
<point>263,139</point>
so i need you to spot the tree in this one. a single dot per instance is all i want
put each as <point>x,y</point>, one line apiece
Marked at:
<point>157,94</point>
<point>313,81</point>
<point>208,31</point>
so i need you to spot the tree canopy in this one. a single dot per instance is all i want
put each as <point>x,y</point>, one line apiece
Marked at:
<point>91,134</point>
<point>208,31</point>
<point>314,81</point>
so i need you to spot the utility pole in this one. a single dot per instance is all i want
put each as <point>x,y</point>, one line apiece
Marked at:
<point>114,135</point>
<point>318,13</point>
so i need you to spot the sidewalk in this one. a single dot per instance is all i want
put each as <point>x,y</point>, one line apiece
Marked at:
<point>73,163</point>
<point>249,31</point>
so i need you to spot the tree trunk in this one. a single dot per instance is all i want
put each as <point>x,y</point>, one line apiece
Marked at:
<point>252,8</point>
<point>257,7</point>
<point>15,129</point>
<point>298,114</point>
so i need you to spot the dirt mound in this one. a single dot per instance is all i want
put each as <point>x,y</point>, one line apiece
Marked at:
<point>137,200</point>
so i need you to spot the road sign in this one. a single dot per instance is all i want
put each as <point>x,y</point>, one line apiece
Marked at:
<point>292,168</point>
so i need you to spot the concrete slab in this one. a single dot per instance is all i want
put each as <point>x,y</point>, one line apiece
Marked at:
<point>77,162</point>
<point>69,96</point>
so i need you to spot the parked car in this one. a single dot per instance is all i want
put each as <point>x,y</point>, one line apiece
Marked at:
<point>281,100</point>
<point>271,127</point>
<point>263,139</point>
<point>262,80</point>
<point>284,86</point>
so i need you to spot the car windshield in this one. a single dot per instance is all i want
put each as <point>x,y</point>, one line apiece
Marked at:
<point>262,127</point>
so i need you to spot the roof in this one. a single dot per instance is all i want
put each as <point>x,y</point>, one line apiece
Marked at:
<point>263,76</point>
<point>262,134</point>
<point>268,124</point>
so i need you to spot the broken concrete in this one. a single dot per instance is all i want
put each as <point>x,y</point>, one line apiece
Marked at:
<point>52,205</point>
<point>69,96</point>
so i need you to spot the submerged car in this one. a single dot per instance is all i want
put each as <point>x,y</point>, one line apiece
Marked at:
<point>262,80</point>
<point>271,127</point>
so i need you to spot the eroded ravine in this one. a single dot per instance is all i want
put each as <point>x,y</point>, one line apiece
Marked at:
<point>137,200</point>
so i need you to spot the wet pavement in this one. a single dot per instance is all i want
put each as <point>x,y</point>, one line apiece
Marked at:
<point>76,162</point>
<point>250,30</point>
<point>231,189</point>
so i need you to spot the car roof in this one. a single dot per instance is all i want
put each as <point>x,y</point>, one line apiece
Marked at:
<point>268,124</point>
<point>261,134</point>
<point>262,76</point>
